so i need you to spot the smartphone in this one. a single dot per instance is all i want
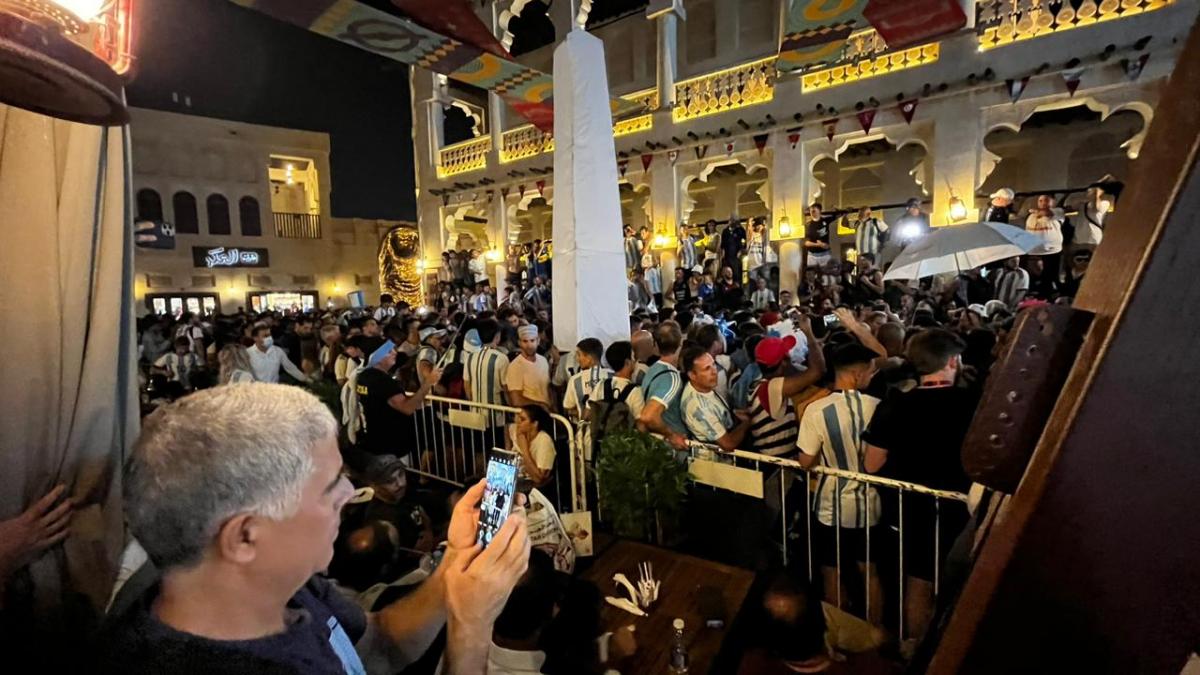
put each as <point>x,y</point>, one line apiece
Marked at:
<point>830,320</point>
<point>499,493</point>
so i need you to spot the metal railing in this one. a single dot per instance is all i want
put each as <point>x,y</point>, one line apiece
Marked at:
<point>452,437</point>
<point>1003,22</point>
<point>297,225</point>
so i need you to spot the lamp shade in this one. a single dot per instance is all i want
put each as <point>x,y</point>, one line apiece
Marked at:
<point>43,71</point>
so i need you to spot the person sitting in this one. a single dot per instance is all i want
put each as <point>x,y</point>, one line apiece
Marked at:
<point>392,503</point>
<point>707,415</point>
<point>515,647</point>
<point>529,437</point>
<point>235,495</point>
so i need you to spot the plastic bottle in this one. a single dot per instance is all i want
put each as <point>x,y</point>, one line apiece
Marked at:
<point>679,655</point>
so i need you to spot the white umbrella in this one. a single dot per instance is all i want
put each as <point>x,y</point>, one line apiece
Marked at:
<point>960,247</point>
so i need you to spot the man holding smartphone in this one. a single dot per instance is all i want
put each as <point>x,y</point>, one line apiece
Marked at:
<point>240,588</point>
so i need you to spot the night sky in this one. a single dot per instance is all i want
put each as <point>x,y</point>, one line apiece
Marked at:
<point>239,65</point>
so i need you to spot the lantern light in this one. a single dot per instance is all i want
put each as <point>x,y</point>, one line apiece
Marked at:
<point>958,210</point>
<point>785,227</point>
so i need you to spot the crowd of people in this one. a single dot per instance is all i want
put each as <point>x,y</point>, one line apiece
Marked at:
<point>846,370</point>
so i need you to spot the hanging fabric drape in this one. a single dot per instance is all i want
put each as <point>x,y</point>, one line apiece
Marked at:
<point>68,376</point>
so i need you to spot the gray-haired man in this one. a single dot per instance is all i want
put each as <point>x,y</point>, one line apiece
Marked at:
<point>235,494</point>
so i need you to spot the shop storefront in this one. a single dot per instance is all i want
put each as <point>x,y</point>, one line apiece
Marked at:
<point>178,303</point>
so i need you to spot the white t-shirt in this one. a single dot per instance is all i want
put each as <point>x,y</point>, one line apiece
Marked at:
<point>1048,229</point>
<point>531,378</point>
<point>541,449</point>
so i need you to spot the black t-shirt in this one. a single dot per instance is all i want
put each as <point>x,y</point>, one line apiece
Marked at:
<point>923,432</point>
<point>388,429</point>
<point>322,628</point>
<point>818,230</point>
<point>733,240</point>
<point>680,291</point>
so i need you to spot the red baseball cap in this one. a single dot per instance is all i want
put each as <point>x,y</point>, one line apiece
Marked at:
<point>769,318</point>
<point>771,350</point>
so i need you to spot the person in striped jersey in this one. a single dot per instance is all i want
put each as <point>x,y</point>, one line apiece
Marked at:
<point>831,432</point>
<point>483,376</point>
<point>588,353</point>
<point>430,351</point>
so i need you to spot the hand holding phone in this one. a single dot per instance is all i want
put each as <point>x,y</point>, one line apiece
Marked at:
<point>499,493</point>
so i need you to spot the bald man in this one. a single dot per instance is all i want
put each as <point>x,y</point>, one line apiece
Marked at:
<point>644,353</point>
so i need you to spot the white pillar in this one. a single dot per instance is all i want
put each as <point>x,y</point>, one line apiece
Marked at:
<point>664,202</point>
<point>789,185</point>
<point>667,16</point>
<point>957,145</point>
<point>589,290</point>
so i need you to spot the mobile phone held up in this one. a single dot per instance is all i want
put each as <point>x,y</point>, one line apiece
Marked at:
<point>499,493</point>
<point>830,320</point>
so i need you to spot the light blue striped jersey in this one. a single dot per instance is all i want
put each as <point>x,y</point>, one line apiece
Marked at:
<point>832,427</point>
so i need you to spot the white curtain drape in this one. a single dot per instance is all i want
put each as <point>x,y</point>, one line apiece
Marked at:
<point>68,387</point>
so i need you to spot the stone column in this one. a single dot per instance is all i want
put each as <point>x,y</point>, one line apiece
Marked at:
<point>498,234</point>
<point>664,206</point>
<point>957,146</point>
<point>788,175</point>
<point>667,15</point>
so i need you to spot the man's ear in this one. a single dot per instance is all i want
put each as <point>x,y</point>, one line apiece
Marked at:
<point>239,537</point>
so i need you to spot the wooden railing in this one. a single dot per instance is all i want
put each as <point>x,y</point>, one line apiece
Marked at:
<point>729,89</point>
<point>1003,22</point>
<point>866,55</point>
<point>462,157</point>
<point>297,225</point>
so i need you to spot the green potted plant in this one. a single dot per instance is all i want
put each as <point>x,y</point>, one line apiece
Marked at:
<point>642,485</point>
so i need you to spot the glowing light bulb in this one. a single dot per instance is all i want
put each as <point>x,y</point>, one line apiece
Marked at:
<point>958,210</point>
<point>660,240</point>
<point>86,10</point>
<point>785,227</point>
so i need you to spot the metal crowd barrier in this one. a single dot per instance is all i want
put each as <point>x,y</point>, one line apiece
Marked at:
<point>452,438</point>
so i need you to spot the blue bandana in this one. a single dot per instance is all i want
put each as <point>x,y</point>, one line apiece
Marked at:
<point>379,354</point>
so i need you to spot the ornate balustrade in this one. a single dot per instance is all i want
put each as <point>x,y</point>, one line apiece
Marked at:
<point>729,89</point>
<point>867,55</point>
<point>1003,22</point>
<point>462,157</point>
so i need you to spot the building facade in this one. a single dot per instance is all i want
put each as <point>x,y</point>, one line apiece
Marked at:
<point>248,206</point>
<point>1025,97</point>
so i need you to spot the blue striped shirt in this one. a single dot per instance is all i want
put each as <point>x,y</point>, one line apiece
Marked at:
<point>687,252</point>
<point>580,386</point>
<point>664,384</point>
<point>832,427</point>
<point>485,372</point>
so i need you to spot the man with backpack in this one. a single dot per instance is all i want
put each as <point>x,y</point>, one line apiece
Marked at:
<point>614,403</point>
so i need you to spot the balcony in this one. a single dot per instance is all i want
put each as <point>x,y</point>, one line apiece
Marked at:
<point>866,55</point>
<point>528,141</point>
<point>470,155</point>
<point>1004,22</point>
<point>729,89</point>
<point>297,225</point>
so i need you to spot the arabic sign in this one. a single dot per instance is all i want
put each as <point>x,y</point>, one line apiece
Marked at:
<point>220,256</point>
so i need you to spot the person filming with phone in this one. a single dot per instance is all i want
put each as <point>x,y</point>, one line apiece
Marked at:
<point>235,493</point>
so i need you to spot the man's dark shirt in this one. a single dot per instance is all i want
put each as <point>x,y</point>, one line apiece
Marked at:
<point>320,624</point>
<point>389,431</point>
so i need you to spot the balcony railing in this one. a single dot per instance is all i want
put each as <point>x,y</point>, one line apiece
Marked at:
<point>1003,22</point>
<point>462,157</point>
<point>729,89</point>
<point>866,55</point>
<point>528,141</point>
<point>297,225</point>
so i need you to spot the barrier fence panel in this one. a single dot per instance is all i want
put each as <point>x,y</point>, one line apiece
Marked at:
<point>451,439</point>
<point>853,529</point>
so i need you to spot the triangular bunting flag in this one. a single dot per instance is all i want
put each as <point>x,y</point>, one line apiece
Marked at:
<point>541,186</point>
<point>646,160</point>
<point>908,109</point>
<point>445,200</point>
<point>794,138</point>
<point>1071,77</point>
<point>701,150</point>
<point>1134,68</point>
<point>621,166</point>
<point>504,192</point>
<point>1016,88</point>
<point>830,128</point>
<point>866,118</point>
<point>521,190</point>
<point>729,148</point>
<point>491,197</point>
<point>673,156</point>
<point>760,142</point>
